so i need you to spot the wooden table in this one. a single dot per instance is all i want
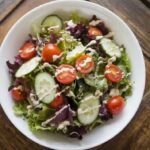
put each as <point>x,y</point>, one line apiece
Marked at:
<point>136,136</point>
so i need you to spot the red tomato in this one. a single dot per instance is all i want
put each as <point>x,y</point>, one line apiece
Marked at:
<point>85,64</point>
<point>27,51</point>
<point>65,74</point>
<point>93,31</point>
<point>113,73</point>
<point>115,104</point>
<point>49,51</point>
<point>59,100</point>
<point>17,94</point>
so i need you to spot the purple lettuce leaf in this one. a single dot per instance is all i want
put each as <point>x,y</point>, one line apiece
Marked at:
<point>103,28</point>
<point>100,26</point>
<point>69,100</point>
<point>53,38</point>
<point>25,83</point>
<point>104,113</point>
<point>94,17</point>
<point>65,113</point>
<point>80,31</point>
<point>76,132</point>
<point>13,67</point>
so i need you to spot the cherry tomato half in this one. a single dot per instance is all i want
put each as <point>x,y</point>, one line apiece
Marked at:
<point>93,31</point>
<point>49,51</point>
<point>85,64</point>
<point>113,73</point>
<point>115,104</point>
<point>27,51</point>
<point>65,74</point>
<point>59,100</point>
<point>17,94</point>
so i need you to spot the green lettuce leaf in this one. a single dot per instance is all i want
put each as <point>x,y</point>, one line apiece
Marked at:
<point>124,61</point>
<point>35,118</point>
<point>20,109</point>
<point>77,18</point>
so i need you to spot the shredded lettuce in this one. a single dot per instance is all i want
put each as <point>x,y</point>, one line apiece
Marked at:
<point>68,42</point>
<point>97,122</point>
<point>36,117</point>
<point>20,109</point>
<point>125,87</point>
<point>77,18</point>
<point>124,60</point>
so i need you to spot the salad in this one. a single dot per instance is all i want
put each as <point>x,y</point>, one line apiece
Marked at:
<point>70,75</point>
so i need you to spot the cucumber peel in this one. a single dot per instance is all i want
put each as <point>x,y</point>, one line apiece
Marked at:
<point>88,109</point>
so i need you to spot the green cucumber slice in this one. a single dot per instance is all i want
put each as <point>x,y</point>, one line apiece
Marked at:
<point>28,67</point>
<point>88,109</point>
<point>110,47</point>
<point>51,21</point>
<point>45,87</point>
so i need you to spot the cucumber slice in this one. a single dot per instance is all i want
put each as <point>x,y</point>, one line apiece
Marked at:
<point>28,67</point>
<point>45,87</point>
<point>88,109</point>
<point>75,53</point>
<point>52,20</point>
<point>110,47</point>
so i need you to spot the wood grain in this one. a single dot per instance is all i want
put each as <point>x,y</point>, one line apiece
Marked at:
<point>136,136</point>
<point>6,7</point>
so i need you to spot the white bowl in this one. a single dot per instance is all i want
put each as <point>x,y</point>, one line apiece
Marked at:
<point>123,35</point>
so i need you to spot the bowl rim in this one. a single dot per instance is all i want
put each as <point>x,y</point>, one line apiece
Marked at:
<point>133,37</point>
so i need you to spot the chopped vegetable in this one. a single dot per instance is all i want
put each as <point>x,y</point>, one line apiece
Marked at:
<point>93,31</point>
<point>70,76</point>
<point>50,52</point>
<point>27,51</point>
<point>113,73</point>
<point>85,64</point>
<point>115,104</point>
<point>65,74</point>
<point>52,22</point>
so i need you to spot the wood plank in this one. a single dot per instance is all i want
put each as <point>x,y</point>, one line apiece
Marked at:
<point>7,6</point>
